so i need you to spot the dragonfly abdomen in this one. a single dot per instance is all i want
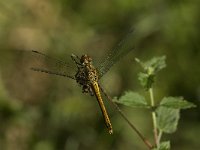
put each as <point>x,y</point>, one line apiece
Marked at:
<point>102,106</point>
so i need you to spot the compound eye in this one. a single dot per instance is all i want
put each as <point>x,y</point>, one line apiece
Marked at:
<point>83,58</point>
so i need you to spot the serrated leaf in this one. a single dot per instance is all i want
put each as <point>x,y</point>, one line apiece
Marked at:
<point>163,146</point>
<point>153,65</point>
<point>176,103</point>
<point>167,119</point>
<point>132,99</point>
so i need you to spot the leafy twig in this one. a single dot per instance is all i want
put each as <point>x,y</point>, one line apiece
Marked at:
<point>165,114</point>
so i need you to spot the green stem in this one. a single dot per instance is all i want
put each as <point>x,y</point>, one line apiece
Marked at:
<point>151,97</point>
<point>154,117</point>
<point>159,137</point>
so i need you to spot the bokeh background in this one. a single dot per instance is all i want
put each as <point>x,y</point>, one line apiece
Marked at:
<point>43,112</point>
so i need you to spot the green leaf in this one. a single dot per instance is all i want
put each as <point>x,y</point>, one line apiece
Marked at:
<point>163,146</point>
<point>153,65</point>
<point>150,67</point>
<point>146,80</point>
<point>132,99</point>
<point>167,119</point>
<point>176,102</point>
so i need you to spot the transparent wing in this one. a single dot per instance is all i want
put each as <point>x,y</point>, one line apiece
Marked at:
<point>125,46</point>
<point>43,63</point>
<point>51,65</point>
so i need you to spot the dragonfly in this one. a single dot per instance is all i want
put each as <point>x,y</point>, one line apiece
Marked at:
<point>87,75</point>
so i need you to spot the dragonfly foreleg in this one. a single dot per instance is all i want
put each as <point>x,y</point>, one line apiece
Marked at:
<point>75,58</point>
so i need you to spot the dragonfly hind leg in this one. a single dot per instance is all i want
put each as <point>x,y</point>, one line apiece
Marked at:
<point>91,91</point>
<point>87,89</point>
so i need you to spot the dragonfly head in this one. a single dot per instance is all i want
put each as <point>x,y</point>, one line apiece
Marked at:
<point>85,59</point>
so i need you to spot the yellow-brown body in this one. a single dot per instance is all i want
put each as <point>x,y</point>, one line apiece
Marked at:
<point>87,77</point>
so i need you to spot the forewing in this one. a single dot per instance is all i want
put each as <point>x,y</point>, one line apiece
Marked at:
<point>51,65</point>
<point>121,49</point>
<point>38,61</point>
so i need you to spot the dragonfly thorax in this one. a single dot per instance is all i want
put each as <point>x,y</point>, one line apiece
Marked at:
<point>86,74</point>
<point>87,69</point>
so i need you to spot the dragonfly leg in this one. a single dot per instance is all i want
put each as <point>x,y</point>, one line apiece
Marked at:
<point>91,91</point>
<point>74,57</point>
<point>87,89</point>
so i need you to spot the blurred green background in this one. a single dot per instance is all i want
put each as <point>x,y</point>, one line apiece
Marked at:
<point>42,112</point>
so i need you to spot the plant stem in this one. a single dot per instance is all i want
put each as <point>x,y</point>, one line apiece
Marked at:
<point>159,137</point>
<point>154,117</point>
<point>146,142</point>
